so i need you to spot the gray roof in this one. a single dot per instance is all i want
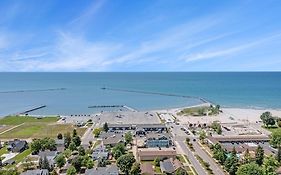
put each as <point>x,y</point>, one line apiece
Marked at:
<point>109,170</point>
<point>163,136</point>
<point>48,153</point>
<point>17,145</point>
<point>114,139</point>
<point>36,172</point>
<point>167,166</point>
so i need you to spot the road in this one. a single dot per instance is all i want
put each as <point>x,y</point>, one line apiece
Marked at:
<point>197,166</point>
<point>88,135</point>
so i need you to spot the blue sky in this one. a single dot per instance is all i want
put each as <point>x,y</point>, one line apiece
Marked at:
<point>146,35</point>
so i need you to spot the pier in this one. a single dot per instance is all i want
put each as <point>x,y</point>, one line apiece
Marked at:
<point>114,106</point>
<point>32,109</point>
<point>157,93</point>
<point>33,90</point>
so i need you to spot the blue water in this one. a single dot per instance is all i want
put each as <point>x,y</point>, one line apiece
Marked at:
<point>258,90</point>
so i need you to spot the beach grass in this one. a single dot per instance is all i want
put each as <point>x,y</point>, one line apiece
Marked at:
<point>3,150</point>
<point>40,130</point>
<point>17,120</point>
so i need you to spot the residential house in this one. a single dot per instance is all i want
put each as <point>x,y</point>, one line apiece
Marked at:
<point>147,169</point>
<point>112,139</point>
<point>36,172</point>
<point>100,152</point>
<point>17,145</point>
<point>152,153</point>
<point>60,145</point>
<point>50,155</point>
<point>108,170</point>
<point>169,166</point>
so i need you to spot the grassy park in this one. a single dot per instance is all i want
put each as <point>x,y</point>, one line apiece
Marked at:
<point>200,111</point>
<point>31,127</point>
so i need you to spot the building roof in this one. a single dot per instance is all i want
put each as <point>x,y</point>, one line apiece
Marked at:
<point>48,153</point>
<point>146,168</point>
<point>158,136</point>
<point>167,166</point>
<point>114,139</point>
<point>17,145</point>
<point>156,152</point>
<point>109,170</point>
<point>36,172</point>
<point>238,138</point>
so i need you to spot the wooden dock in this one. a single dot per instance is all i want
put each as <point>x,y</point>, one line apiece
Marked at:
<point>32,109</point>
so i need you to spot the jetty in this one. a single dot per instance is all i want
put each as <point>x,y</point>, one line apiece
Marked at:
<point>156,93</point>
<point>32,109</point>
<point>114,106</point>
<point>33,90</point>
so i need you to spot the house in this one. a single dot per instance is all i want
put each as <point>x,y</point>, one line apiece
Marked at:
<point>112,139</point>
<point>17,145</point>
<point>147,169</point>
<point>157,140</point>
<point>152,153</point>
<point>50,155</point>
<point>100,153</point>
<point>36,172</point>
<point>169,166</point>
<point>60,145</point>
<point>109,170</point>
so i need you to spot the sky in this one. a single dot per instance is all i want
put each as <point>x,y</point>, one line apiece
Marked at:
<point>136,36</point>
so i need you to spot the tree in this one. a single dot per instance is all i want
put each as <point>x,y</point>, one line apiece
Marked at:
<point>105,127</point>
<point>156,161</point>
<point>59,136</point>
<point>125,163</point>
<point>77,163</point>
<point>72,146</point>
<point>44,163</point>
<point>101,163</point>
<point>128,137</point>
<point>247,157</point>
<point>187,140</point>
<point>71,170</point>
<point>76,140</point>
<point>81,151</point>
<point>202,135</point>
<point>231,163</point>
<point>60,160</point>
<point>270,165</point>
<point>279,123</point>
<point>135,170</point>
<point>74,133</point>
<point>259,155</point>
<point>118,150</point>
<point>216,127</point>
<point>267,119</point>
<point>67,139</point>
<point>97,132</point>
<point>35,146</point>
<point>9,172</point>
<point>90,164</point>
<point>275,140</point>
<point>249,169</point>
<point>180,171</point>
<point>278,156</point>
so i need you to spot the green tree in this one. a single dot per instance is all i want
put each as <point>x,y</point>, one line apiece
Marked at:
<point>279,123</point>
<point>135,170</point>
<point>71,170</point>
<point>231,163</point>
<point>101,163</point>
<point>267,119</point>
<point>105,127</point>
<point>72,146</point>
<point>180,171</point>
<point>259,155</point>
<point>128,137</point>
<point>118,150</point>
<point>9,172</point>
<point>278,156</point>
<point>247,157</point>
<point>156,161</point>
<point>97,132</point>
<point>76,140</point>
<point>74,133</point>
<point>44,163</point>
<point>35,146</point>
<point>67,139</point>
<point>77,163</point>
<point>270,164</point>
<point>90,164</point>
<point>275,140</point>
<point>216,127</point>
<point>125,163</point>
<point>59,136</point>
<point>202,135</point>
<point>81,151</point>
<point>60,160</point>
<point>249,169</point>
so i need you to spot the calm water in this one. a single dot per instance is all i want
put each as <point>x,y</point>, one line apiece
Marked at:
<point>260,90</point>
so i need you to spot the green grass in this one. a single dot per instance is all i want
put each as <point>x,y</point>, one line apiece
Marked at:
<point>16,120</point>
<point>40,130</point>
<point>181,158</point>
<point>3,150</point>
<point>194,111</point>
<point>273,129</point>
<point>21,156</point>
<point>157,170</point>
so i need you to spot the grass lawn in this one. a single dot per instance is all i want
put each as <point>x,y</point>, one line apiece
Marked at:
<point>40,130</point>
<point>21,156</point>
<point>16,120</point>
<point>273,129</point>
<point>3,150</point>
